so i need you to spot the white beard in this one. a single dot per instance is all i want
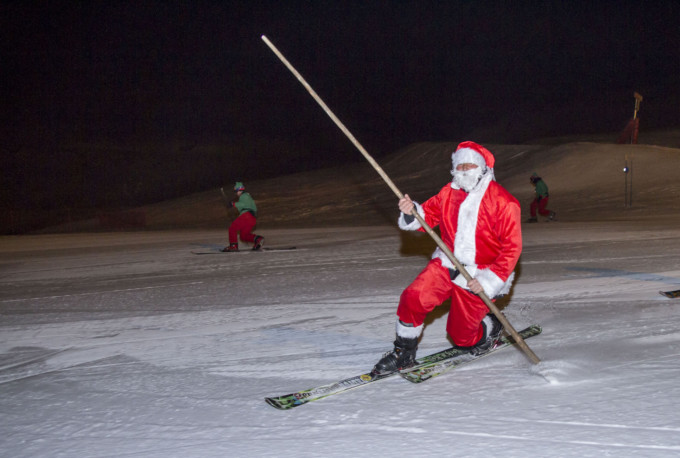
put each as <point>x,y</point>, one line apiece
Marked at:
<point>467,180</point>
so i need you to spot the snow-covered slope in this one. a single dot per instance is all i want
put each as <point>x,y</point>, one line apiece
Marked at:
<point>586,181</point>
<point>127,344</point>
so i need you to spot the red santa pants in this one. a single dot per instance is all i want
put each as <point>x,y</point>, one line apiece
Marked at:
<point>432,287</point>
<point>243,225</point>
<point>540,205</point>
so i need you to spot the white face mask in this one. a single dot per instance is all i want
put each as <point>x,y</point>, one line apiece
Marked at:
<point>467,180</point>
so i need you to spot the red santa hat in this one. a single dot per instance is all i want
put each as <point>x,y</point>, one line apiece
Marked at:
<point>471,152</point>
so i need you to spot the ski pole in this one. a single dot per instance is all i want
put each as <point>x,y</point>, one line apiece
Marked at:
<point>492,307</point>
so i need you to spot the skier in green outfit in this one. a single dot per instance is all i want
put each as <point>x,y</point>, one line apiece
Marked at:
<point>540,202</point>
<point>245,222</point>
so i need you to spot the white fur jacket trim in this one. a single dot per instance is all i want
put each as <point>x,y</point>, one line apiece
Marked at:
<point>415,224</point>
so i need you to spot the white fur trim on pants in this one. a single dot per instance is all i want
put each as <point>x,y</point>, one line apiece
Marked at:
<point>408,332</point>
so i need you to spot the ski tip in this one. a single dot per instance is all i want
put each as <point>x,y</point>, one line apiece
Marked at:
<point>284,402</point>
<point>274,404</point>
<point>670,294</point>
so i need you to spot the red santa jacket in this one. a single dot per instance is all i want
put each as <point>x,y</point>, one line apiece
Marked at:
<point>482,229</point>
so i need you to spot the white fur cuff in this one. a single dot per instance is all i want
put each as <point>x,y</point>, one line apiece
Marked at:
<point>408,332</point>
<point>415,224</point>
<point>492,283</point>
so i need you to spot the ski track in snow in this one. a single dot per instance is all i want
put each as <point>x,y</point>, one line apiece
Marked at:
<point>173,356</point>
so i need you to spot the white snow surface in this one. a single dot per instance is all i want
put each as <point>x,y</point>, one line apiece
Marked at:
<point>128,345</point>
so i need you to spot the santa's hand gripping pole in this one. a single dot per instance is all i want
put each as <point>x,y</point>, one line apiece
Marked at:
<point>520,341</point>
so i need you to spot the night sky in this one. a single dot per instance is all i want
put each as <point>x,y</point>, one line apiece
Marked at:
<point>182,75</point>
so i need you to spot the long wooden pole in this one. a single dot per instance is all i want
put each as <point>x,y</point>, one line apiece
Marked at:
<point>520,341</point>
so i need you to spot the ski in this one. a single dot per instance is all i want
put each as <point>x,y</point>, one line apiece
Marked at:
<point>288,401</point>
<point>264,248</point>
<point>670,294</point>
<point>455,357</point>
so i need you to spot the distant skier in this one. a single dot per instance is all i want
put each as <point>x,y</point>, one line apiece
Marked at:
<point>480,222</point>
<point>245,222</point>
<point>540,202</point>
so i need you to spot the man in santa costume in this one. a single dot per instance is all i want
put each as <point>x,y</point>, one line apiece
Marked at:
<point>480,222</point>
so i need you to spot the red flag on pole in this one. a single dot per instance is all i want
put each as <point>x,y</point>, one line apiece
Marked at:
<point>630,133</point>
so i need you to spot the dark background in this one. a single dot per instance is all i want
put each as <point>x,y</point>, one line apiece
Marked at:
<point>116,104</point>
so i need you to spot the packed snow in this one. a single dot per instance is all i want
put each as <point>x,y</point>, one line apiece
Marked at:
<point>129,345</point>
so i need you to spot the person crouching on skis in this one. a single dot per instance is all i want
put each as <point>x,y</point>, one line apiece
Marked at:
<point>244,224</point>
<point>540,201</point>
<point>480,222</point>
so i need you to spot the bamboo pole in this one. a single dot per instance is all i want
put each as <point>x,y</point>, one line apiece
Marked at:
<point>492,307</point>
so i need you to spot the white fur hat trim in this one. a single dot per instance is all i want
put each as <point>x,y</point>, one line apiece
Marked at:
<point>467,156</point>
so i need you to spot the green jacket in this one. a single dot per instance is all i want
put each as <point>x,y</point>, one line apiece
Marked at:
<point>246,203</point>
<point>541,189</point>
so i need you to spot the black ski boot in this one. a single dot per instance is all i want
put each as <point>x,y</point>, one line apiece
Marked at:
<point>403,356</point>
<point>492,333</point>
